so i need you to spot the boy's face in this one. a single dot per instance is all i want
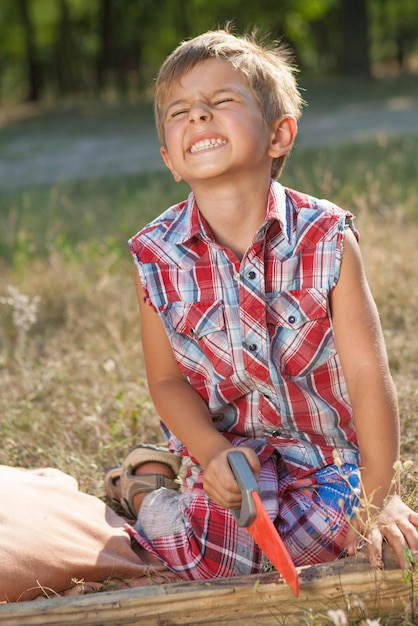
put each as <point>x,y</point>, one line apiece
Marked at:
<point>214,126</point>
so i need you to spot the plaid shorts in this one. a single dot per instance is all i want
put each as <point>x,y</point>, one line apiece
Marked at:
<point>197,539</point>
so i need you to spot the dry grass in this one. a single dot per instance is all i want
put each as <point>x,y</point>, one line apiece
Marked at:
<point>73,393</point>
<point>390,252</point>
<point>72,384</point>
<point>72,388</point>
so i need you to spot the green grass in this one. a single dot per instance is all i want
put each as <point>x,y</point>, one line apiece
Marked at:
<point>102,211</point>
<point>384,172</point>
<point>326,93</point>
<point>105,212</point>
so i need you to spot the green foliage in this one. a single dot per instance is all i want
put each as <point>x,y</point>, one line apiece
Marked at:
<point>78,47</point>
<point>12,67</point>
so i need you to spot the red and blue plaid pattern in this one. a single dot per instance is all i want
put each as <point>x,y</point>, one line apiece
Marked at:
<point>254,337</point>
<point>198,539</point>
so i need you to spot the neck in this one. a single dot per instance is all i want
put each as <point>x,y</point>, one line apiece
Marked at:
<point>234,214</point>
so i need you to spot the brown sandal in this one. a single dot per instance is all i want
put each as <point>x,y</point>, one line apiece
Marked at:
<point>112,484</point>
<point>131,484</point>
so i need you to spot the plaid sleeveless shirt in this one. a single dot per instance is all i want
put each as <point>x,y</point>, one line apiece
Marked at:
<point>254,337</point>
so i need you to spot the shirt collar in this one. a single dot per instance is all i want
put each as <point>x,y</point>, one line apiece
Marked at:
<point>277,209</point>
<point>188,222</point>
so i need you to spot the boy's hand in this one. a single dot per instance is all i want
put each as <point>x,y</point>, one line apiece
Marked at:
<point>397,523</point>
<point>218,479</point>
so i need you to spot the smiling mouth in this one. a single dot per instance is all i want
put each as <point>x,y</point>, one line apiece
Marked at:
<point>205,144</point>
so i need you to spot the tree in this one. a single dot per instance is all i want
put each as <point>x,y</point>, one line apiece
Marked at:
<point>353,50</point>
<point>34,73</point>
<point>68,46</point>
<point>104,57</point>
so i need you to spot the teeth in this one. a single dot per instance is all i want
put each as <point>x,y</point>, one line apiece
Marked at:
<point>207,143</point>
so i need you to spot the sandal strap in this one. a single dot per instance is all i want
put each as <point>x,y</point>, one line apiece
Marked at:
<point>145,453</point>
<point>129,485</point>
<point>112,488</point>
<point>132,485</point>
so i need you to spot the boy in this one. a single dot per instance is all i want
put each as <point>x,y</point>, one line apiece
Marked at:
<point>259,331</point>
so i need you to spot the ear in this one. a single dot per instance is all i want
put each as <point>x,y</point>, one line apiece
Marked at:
<point>284,131</point>
<point>167,161</point>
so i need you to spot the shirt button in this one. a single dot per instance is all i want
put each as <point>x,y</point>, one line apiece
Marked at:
<point>275,433</point>
<point>252,347</point>
<point>291,319</point>
<point>236,276</point>
<point>251,275</point>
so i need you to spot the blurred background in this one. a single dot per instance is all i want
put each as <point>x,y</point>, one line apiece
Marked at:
<point>112,48</point>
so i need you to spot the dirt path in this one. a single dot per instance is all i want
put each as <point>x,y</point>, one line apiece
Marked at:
<point>52,153</point>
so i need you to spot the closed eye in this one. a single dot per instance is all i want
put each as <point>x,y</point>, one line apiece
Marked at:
<point>179,112</point>
<point>223,100</point>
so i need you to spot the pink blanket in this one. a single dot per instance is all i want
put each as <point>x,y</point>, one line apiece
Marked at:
<point>56,540</point>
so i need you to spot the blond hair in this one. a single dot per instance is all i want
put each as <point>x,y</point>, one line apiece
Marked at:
<point>268,68</point>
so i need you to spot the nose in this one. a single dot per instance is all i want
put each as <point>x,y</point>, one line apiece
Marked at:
<point>199,112</point>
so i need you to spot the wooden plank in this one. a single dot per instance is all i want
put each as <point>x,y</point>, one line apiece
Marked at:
<point>350,585</point>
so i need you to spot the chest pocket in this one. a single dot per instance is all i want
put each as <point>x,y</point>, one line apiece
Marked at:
<point>198,337</point>
<point>300,330</point>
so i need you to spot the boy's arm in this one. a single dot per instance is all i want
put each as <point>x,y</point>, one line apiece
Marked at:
<point>362,352</point>
<point>184,412</point>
